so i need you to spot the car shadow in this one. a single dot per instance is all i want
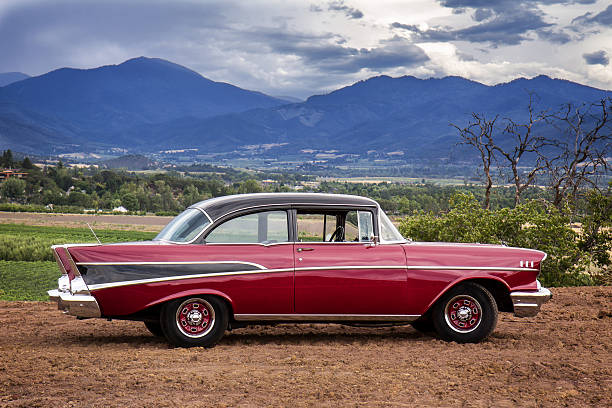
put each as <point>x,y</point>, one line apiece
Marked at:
<point>352,335</point>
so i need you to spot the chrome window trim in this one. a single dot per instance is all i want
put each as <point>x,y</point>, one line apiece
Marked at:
<point>210,222</point>
<point>380,237</point>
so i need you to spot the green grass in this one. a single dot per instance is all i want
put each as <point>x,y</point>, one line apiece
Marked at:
<point>20,242</point>
<point>27,280</point>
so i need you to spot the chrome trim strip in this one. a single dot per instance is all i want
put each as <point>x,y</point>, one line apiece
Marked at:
<point>264,270</point>
<point>183,277</point>
<point>470,268</point>
<point>348,267</point>
<point>326,317</point>
<point>173,263</point>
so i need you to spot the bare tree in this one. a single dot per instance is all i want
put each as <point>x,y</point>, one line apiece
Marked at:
<point>524,141</point>
<point>580,157</point>
<point>479,134</point>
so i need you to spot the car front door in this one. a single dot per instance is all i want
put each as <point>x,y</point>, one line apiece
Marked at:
<point>340,271</point>
<point>260,244</point>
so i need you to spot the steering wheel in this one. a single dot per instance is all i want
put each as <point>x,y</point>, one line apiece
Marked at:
<point>337,235</point>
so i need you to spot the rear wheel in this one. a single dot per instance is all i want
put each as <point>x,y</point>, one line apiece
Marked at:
<point>194,322</point>
<point>465,314</point>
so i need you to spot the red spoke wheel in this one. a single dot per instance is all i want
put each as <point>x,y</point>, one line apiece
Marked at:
<point>195,317</point>
<point>466,314</point>
<point>195,321</point>
<point>463,313</point>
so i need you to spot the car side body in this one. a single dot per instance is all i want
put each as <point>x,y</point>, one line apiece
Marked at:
<point>295,257</point>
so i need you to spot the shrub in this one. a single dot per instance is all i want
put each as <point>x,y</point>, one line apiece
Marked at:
<point>533,224</point>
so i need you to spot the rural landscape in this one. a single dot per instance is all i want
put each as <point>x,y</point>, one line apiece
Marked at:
<point>487,124</point>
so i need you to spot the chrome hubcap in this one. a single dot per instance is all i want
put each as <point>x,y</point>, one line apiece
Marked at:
<point>195,317</point>
<point>463,313</point>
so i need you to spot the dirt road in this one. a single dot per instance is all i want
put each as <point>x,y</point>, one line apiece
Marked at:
<point>563,357</point>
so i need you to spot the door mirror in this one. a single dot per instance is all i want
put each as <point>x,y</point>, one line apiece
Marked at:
<point>374,240</point>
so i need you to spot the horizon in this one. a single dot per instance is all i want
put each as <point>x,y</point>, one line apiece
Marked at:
<point>303,99</point>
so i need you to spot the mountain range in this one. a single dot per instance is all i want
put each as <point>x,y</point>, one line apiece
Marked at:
<point>149,104</point>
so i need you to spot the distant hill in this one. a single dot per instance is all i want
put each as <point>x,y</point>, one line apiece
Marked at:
<point>149,104</point>
<point>385,114</point>
<point>104,103</point>
<point>10,77</point>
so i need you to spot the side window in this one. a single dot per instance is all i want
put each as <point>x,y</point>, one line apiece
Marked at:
<point>336,226</point>
<point>359,226</point>
<point>264,227</point>
<point>316,227</point>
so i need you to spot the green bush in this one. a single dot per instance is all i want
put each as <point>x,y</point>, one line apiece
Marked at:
<point>533,224</point>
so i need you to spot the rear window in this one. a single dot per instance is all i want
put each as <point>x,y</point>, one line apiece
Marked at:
<point>185,227</point>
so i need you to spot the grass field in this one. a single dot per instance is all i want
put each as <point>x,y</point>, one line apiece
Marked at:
<point>27,280</point>
<point>27,267</point>
<point>32,243</point>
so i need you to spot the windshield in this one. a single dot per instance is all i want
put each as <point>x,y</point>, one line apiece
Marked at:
<point>185,227</point>
<point>388,232</point>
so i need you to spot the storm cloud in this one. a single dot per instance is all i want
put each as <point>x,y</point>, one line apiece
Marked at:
<point>597,58</point>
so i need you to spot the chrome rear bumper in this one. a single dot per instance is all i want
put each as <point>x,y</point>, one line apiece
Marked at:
<point>75,305</point>
<point>528,304</point>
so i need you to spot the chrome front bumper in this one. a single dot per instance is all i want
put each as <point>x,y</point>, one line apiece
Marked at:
<point>75,305</point>
<point>528,304</point>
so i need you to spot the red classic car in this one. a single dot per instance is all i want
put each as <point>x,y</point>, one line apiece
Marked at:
<point>247,259</point>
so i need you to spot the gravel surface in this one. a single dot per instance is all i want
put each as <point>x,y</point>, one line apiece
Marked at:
<point>562,357</point>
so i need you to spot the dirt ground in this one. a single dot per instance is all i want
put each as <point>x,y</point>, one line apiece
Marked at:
<point>120,222</point>
<point>562,357</point>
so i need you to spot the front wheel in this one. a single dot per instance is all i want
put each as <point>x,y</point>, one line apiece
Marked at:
<point>465,314</point>
<point>194,322</point>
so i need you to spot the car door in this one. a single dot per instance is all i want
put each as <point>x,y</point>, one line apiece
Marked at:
<point>347,276</point>
<point>260,242</point>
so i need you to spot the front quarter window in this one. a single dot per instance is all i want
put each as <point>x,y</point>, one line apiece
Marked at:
<point>185,227</point>
<point>388,232</point>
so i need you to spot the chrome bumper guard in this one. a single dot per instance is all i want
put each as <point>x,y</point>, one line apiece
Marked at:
<point>528,304</point>
<point>75,305</point>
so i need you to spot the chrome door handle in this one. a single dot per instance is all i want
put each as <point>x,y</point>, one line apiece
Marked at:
<point>305,249</point>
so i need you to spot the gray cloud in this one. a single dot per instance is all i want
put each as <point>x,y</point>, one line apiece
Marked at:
<point>597,57</point>
<point>327,52</point>
<point>350,12</point>
<point>500,22</point>
<point>503,29</point>
<point>482,14</point>
<point>559,37</point>
<point>603,18</point>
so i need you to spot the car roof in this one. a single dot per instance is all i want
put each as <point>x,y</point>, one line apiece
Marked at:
<point>220,206</point>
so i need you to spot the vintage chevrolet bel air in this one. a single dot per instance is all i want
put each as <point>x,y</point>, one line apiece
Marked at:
<point>247,259</point>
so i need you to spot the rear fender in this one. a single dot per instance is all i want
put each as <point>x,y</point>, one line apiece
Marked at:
<point>194,292</point>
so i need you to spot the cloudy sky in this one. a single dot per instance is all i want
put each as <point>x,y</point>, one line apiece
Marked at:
<point>299,48</point>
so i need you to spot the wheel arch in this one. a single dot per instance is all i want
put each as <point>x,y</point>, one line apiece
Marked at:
<point>197,292</point>
<point>497,287</point>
